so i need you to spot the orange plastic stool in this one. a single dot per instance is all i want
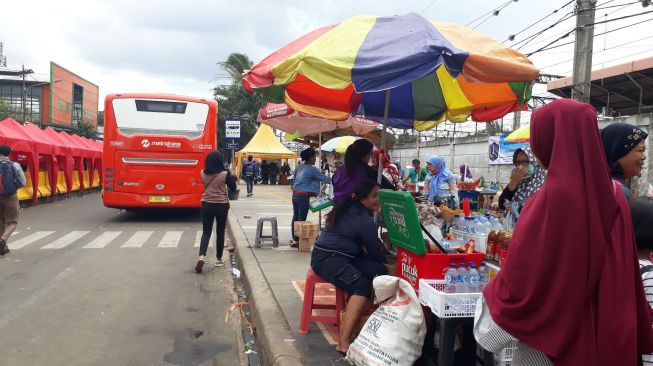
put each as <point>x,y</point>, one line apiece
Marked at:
<point>309,304</point>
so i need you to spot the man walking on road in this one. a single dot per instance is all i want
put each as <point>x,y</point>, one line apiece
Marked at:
<point>249,173</point>
<point>11,178</point>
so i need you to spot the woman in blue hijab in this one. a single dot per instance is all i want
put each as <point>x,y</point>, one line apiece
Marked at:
<point>441,183</point>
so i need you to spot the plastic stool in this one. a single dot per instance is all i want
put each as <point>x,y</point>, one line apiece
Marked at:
<point>259,232</point>
<point>309,304</point>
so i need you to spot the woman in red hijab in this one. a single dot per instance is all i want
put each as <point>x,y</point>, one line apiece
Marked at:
<point>570,290</point>
<point>390,171</point>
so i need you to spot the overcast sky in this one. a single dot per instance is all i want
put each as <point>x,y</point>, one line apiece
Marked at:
<point>173,46</point>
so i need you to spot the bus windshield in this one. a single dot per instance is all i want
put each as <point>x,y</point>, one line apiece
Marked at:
<point>160,117</point>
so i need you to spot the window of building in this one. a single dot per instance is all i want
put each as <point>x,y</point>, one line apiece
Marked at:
<point>78,93</point>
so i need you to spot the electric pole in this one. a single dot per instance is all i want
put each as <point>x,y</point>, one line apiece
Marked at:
<point>24,98</point>
<point>583,45</point>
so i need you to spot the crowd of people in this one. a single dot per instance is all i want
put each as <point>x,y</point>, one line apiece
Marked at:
<point>580,267</point>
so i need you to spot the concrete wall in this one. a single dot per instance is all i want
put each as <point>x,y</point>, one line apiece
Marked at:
<point>473,151</point>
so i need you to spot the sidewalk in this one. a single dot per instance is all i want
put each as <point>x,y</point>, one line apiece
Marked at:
<point>281,266</point>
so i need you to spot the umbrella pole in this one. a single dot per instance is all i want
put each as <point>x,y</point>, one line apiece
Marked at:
<point>385,125</point>
<point>319,144</point>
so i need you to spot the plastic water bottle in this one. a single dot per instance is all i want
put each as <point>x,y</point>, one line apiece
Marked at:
<point>451,279</point>
<point>484,276</point>
<point>469,224</point>
<point>481,227</point>
<point>473,279</point>
<point>463,278</point>
<point>496,225</point>
<point>457,222</point>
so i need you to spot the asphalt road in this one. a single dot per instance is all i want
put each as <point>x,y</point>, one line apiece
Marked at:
<point>87,285</point>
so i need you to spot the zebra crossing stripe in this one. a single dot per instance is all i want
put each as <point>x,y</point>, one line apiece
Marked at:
<point>138,239</point>
<point>66,240</point>
<point>170,239</point>
<point>23,242</point>
<point>103,240</point>
<point>198,239</point>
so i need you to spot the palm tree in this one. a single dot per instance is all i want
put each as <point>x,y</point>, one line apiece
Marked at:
<point>236,65</point>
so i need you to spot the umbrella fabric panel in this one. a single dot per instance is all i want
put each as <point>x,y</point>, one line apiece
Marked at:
<point>261,76</point>
<point>488,61</point>
<point>329,59</point>
<point>400,49</point>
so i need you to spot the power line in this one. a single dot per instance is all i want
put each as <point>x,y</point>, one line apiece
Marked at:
<point>566,17</point>
<point>603,50</point>
<point>620,18</point>
<point>512,36</point>
<point>428,7</point>
<point>599,34</point>
<point>494,13</point>
<point>616,59</point>
<point>491,13</point>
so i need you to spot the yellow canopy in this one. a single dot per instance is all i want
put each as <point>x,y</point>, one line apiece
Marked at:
<point>265,145</point>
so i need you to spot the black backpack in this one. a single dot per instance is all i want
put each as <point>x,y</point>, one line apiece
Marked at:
<point>8,180</point>
<point>249,169</point>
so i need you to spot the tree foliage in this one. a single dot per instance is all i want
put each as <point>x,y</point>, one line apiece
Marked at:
<point>7,111</point>
<point>235,102</point>
<point>86,130</point>
<point>100,118</point>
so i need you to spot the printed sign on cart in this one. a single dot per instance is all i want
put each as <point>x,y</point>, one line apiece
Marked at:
<point>500,151</point>
<point>232,129</point>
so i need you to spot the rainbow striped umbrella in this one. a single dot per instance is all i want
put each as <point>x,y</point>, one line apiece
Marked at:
<point>422,72</point>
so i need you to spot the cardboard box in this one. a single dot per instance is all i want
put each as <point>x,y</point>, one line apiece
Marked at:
<point>306,244</point>
<point>306,229</point>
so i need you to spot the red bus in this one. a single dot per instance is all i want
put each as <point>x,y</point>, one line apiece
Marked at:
<point>154,149</point>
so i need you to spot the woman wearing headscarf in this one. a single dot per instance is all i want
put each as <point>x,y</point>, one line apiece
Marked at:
<point>624,148</point>
<point>390,171</point>
<point>441,184</point>
<point>356,169</point>
<point>465,173</point>
<point>215,205</point>
<point>570,291</point>
<point>526,178</point>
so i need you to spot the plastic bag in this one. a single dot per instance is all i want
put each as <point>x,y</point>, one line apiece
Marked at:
<point>394,334</point>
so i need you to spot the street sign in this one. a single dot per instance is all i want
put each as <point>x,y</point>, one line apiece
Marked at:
<point>232,129</point>
<point>232,144</point>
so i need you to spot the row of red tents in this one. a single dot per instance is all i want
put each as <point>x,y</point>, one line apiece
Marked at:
<point>59,151</point>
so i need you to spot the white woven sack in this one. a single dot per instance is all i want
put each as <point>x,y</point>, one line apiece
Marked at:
<point>394,334</point>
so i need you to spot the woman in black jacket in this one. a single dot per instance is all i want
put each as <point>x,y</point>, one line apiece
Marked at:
<point>349,254</point>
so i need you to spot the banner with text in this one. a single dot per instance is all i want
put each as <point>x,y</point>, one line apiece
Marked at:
<point>500,151</point>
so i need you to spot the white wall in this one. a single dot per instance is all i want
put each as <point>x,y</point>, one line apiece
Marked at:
<point>472,151</point>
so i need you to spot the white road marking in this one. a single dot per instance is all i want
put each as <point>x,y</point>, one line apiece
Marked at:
<point>14,313</point>
<point>275,213</point>
<point>170,239</point>
<point>66,240</point>
<point>29,239</point>
<point>103,240</point>
<point>15,233</point>
<point>138,239</point>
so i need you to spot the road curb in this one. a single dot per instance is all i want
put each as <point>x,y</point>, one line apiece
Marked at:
<point>272,328</point>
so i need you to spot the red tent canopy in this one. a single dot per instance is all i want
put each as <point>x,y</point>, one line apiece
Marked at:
<point>14,135</point>
<point>60,150</point>
<point>85,152</point>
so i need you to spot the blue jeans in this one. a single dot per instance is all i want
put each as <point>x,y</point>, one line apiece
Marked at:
<point>250,184</point>
<point>300,204</point>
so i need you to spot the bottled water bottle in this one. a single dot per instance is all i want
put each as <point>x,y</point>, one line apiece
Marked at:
<point>457,222</point>
<point>496,225</point>
<point>481,227</point>
<point>451,279</point>
<point>469,224</point>
<point>474,279</point>
<point>461,286</point>
<point>484,276</point>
